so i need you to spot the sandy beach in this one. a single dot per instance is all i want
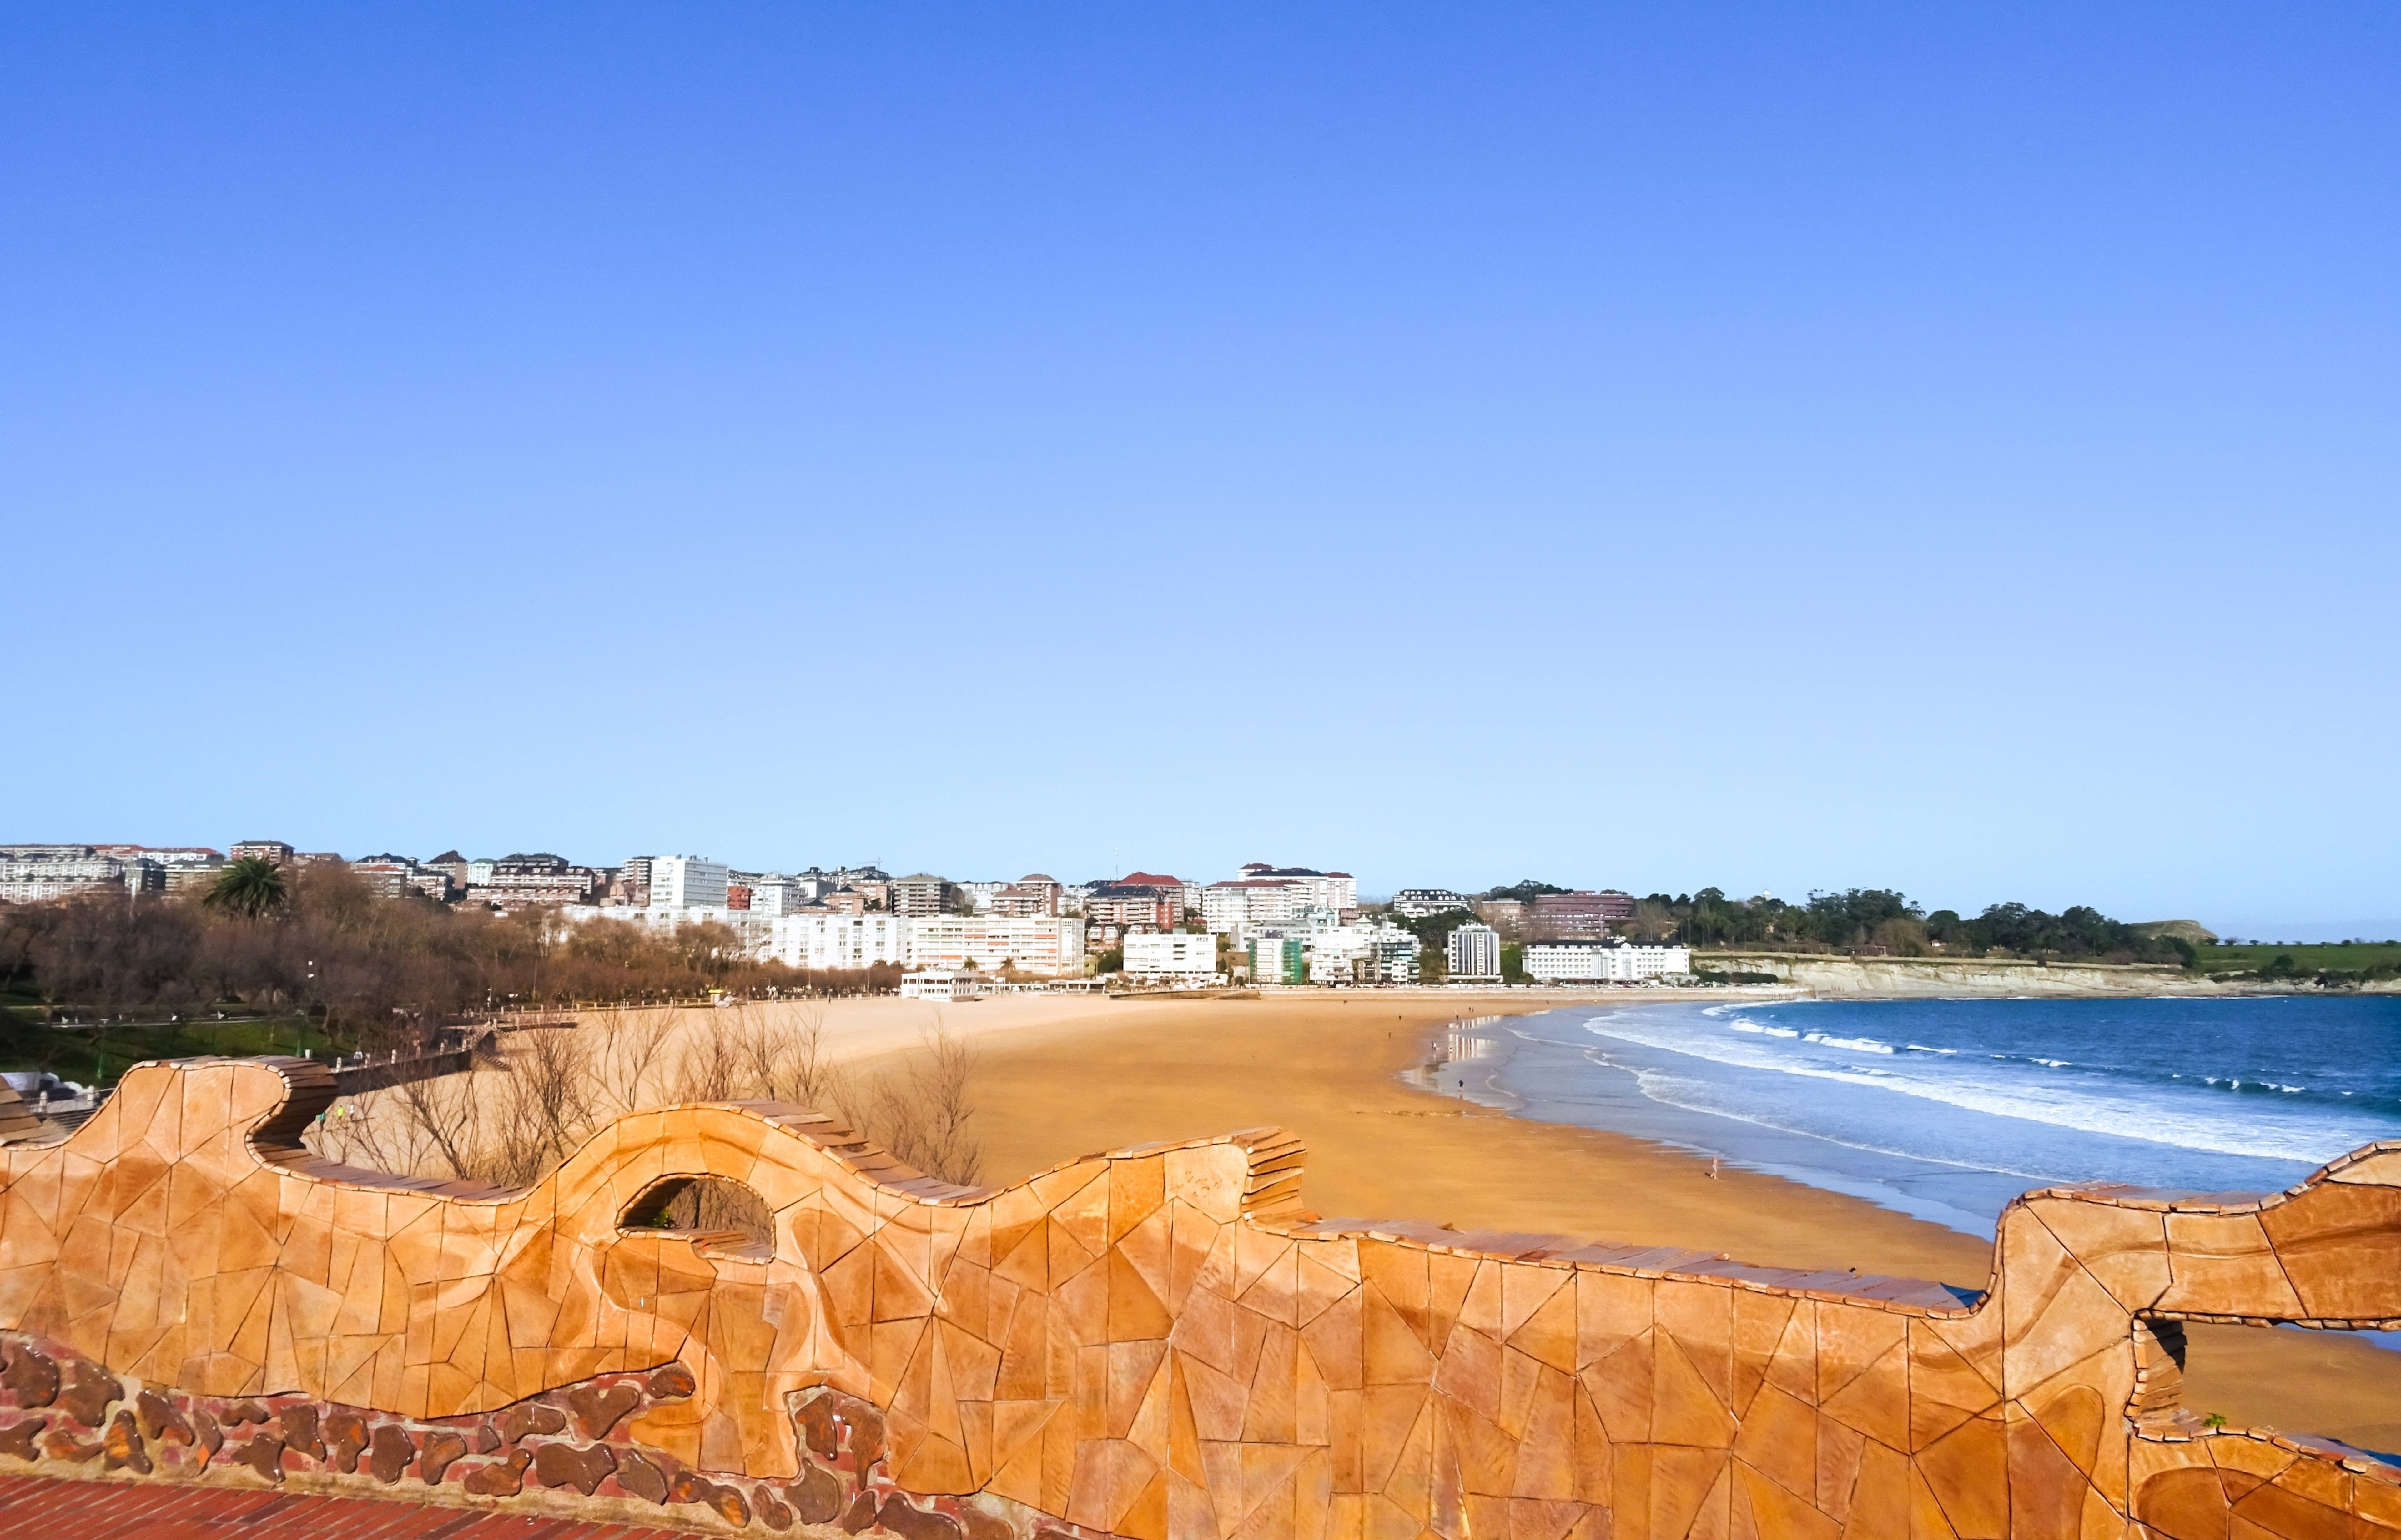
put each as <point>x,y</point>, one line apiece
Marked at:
<point>1060,1078</point>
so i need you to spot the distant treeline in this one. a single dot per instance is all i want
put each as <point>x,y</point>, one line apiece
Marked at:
<point>373,970</point>
<point>1881,920</point>
<point>1873,920</point>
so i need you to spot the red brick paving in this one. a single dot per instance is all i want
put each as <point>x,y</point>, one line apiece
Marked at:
<point>56,1509</point>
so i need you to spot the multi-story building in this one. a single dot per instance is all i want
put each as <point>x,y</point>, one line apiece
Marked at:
<point>687,882</point>
<point>391,876</point>
<point>1277,959</point>
<point>1031,944</point>
<point>1187,895</point>
<point>1336,891</point>
<point>1506,916</point>
<point>262,850</point>
<point>1392,961</point>
<point>920,893</point>
<point>1603,961</point>
<point>1171,957</point>
<point>452,864</point>
<point>1032,895</point>
<point>524,881</point>
<point>1249,904</point>
<point>32,874</point>
<point>1581,915</point>
<point>1473,954</point>
<point>1354,952</point>
<point>1413,903</point>
<point>1130,906</point>
<point>775,893</point>
<point>872,884</point>
<point>166,868</point>
<point>737,896</point>
<point>843,942</point>
<point>979,894</point>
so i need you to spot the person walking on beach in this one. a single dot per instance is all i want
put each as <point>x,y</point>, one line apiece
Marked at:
<point>1713,1168</point>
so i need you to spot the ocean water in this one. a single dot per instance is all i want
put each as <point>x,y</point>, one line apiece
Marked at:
<point>1945,1109</point>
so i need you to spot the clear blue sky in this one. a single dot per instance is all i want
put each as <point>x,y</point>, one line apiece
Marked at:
<point>1952,448</point>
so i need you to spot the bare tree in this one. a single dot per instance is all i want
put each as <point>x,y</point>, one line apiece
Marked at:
<point>920,1109</point>
<point>626,1047</point>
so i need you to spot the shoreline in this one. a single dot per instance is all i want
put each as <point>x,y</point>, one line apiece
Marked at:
<point>1331,1066</point>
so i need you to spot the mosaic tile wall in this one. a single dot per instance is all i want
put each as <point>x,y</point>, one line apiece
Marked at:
<point>1156,1343</point>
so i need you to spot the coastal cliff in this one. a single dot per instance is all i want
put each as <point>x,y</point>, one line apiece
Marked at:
<point>1951,976</point>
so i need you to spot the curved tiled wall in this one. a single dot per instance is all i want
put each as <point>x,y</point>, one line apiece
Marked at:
<point>1158,1343</point>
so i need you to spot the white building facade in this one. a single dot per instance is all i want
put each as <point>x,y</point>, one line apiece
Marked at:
<point>1473,954</point>
<point>686,881</point>
<point>1031,944</point>
<point>1604,962</point>
<point>30,873</point>
<point>1171,957</point>
<point>843,942</point>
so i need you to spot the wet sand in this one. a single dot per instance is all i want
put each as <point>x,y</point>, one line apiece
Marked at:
<point>1051,1087</point>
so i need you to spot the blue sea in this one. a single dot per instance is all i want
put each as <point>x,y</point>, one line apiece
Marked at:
<point>1945,1109</point>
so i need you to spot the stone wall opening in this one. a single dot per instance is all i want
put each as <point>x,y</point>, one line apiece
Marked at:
<point>2235,1376</point>
<point>710,1206</point>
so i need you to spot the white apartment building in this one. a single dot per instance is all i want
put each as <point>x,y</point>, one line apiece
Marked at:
<point>30,873</point>
<point>844,941</point>
<point>1170,956</point>
<point>1416,902</point>
<point>1247,904</point>
<point>1473,954</point>
<point>687,882</point>
<point>1032,943</point>
<point>1326,889</point>
<point>1354,953</point>
<point>775,894</point>
<point>1603,962</point>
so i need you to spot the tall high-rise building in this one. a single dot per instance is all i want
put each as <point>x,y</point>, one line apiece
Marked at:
<point>1472,953</point>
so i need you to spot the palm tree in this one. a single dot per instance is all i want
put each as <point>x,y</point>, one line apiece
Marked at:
<point>249,888</point>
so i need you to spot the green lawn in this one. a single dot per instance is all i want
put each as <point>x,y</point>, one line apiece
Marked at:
<point>2309,959</point>
<point>77,1053</point>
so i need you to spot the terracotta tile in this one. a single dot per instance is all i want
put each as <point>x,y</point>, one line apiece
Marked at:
<point>2122,1247</point>
<point>2222,1265</point>
<point>1875,1401</point>
<point>1611,1310</point>
<point>1546,1330</point>
<point>1448,1281</point>
<point>1760,1322</point>
<point>1210,1178</point>
<point>1396,1444</point>
<point>1683,1482</point>
<point>2053,1312</point>
<point>1700,1316</point>
<point>1778,1438</point>
<point>1775,1512</point>
<point>1879,1504</point>
<point>1620,1387</point>
<point>1470,1372</point>
<point>1137,1189</point>
<point>1684,1408</point>
<point>2340,1246</point>
<point>1336,1342</point>
<point>1967,1472</point>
